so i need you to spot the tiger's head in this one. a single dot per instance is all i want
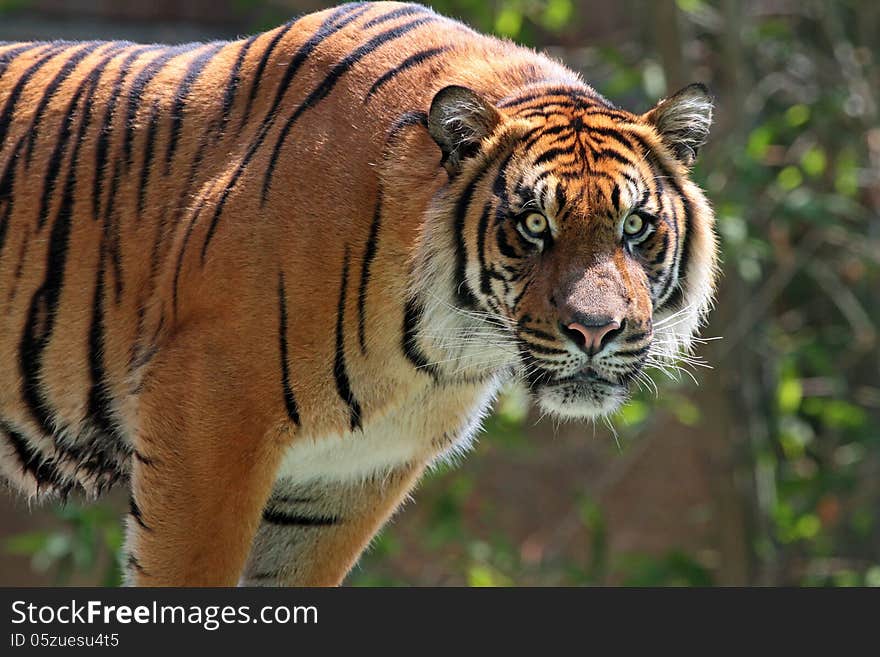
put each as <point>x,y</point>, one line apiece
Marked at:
<point>570,241</point>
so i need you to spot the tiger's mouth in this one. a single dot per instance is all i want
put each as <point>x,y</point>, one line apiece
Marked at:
<point>585,394</point>
<point>587,377</point>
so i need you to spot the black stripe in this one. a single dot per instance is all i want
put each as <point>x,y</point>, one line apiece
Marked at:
<point>614,134</point>
<point>463,292</point>
<point>109,219</point>
<point>504,247</point>
<point>661,254</point>
<point>541,132</point>
<point>44,303</point>
<point>336,22</point>
<point>289,399</point>
<point>232,85</point>
<point>99,401</point>
<point>340,372</point>
<point>414,354</point>
<point>136,93</point>
<point>132,562</point>
<point>177,269</point>
<point>135,512</point>
<point>51,89</point>
<point>369,256</point>
<point>677,295</point>
<point>143,459</point>
<point>275,517</point>
<point>328,83</point>
<point>409,62</point>
<point>552,153</point>
<point>522,293</point>
<point>7,186</point>
<point>15,94</point>
<point>561,200</point>
<point>149,150</point>
<point>407,10</point>
<point>8,57</point>
<point>499,189</point>
<point>485,272</point>
<point>19,268</point>
<point>341,17</point>
<point>99,404</point>
<point>44,471</point>
<point>570,94</point>
<point>111,224</point>
<point>333,24</point>
<point>615,197</point>
<point>274,575</point>
<point>634,352</point>
<point>406,120</point>
<point>103,140</point>
<point>53,168</point>
<point>261,67</point>
<point>611,154</point>
<point>193,71</point>
<point>540,349</point>
<point>537,333</point>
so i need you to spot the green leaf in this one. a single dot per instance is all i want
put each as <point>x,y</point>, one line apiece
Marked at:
<point>759,142</point>
<point>789,394</point>
<point>508,22</point>
<point>27,544</point>
<point>557,14</point>
<point>797,115</point>
<point>814,161</point>
<point>790,178</point>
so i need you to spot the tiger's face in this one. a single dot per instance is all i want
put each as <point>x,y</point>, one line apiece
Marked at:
<point>581,248</point>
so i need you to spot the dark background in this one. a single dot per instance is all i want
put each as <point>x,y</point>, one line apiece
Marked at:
<point>766,473</point>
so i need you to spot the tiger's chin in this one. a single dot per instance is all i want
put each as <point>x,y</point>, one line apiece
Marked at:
<point>579,400</point>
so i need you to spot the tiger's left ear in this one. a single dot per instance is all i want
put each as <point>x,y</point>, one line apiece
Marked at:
<point>459,119</point>
<point>683,120</point>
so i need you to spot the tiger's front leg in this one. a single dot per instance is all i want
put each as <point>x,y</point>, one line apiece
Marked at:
<point>312,534</point>
<point>206,455</point>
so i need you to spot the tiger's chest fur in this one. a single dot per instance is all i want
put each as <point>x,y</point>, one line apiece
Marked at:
<point>432,422</point>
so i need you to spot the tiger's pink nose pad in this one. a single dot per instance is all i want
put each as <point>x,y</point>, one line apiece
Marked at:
<point>593,336</point>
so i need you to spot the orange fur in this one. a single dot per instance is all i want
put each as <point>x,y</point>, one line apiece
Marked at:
<point>244,276</point>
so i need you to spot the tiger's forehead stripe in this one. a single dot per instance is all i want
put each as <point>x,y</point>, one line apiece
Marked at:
<point>601,135</point>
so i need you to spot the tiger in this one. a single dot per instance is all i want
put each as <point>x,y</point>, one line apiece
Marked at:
<point>267,283</point>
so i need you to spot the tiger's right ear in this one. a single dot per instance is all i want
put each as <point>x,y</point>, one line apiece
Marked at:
<point>683,121</point>
<point>459,119</point>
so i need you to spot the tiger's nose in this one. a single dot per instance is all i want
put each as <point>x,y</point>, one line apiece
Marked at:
<point>592,334</point>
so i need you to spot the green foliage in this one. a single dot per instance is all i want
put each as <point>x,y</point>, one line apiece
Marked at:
<point>85,543</point>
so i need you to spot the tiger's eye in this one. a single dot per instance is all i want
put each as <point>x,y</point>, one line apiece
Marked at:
<point>633,225</point>
<point>535,223</point>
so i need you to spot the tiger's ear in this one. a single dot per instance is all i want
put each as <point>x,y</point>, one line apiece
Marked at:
<point>459,119</point>
<point>683,120</point>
